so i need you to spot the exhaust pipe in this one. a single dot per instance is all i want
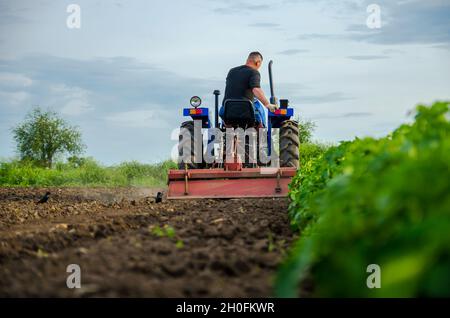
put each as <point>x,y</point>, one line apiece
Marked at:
<point>273,99</point>
<point>216,115</point>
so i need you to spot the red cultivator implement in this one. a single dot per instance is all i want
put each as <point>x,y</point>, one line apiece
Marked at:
<point>219,183</point>
<point>226,169</point>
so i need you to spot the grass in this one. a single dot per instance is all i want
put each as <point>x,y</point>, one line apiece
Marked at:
<point>87,173</point>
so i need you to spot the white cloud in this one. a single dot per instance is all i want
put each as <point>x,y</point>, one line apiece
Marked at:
<point>13,80</point>
<point>75,100</point>
<point>139,119</point>
<point>76,107</point>
<point>69,92</point>
<point>13,98</point>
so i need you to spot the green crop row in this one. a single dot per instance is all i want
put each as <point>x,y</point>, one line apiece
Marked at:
<point>374,201</point>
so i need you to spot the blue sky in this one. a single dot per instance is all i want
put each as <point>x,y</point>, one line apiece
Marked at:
<point>125,75</point>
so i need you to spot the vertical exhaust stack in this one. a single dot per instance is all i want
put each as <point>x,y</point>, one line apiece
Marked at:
<point>216,115</point>
<point>273,99</point>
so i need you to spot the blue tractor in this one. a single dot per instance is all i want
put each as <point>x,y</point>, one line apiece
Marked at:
<point>198,179</point>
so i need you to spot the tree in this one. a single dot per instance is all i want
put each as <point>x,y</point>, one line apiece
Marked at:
<point>44,135</point>
<point>306,129</point>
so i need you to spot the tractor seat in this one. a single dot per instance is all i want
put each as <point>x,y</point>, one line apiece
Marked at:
<point>238,113</point>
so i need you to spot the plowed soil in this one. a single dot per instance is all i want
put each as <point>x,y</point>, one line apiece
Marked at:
<point>129,246</point>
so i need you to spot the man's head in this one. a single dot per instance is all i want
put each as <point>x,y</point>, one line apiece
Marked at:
<point>254,60</point>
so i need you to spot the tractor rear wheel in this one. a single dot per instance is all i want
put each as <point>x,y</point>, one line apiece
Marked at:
<point>188,143</point>
<point>289,144</point>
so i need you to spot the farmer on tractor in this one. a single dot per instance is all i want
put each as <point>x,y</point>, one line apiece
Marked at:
<point>213,177</point>
<point>244,83</point>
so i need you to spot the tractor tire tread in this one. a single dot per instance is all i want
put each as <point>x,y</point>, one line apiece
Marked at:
<point>289,144</point>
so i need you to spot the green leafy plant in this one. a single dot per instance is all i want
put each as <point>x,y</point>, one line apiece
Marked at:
<point>375,201</point>
<point>166,231</point>
<point>157,231</point>
<point>179,244</point>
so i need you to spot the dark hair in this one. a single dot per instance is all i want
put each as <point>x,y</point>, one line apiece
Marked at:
<point>254,55</point>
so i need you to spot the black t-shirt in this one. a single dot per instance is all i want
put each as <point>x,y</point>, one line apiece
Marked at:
<point>240,82</point>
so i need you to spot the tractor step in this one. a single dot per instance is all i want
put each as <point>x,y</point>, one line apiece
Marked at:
<point>218,183</point>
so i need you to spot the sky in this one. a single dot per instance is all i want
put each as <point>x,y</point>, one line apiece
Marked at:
<point>125,75</point>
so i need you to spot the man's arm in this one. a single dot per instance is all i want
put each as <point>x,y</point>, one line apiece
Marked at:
<point>259,93</point>
<point>255,85</point>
